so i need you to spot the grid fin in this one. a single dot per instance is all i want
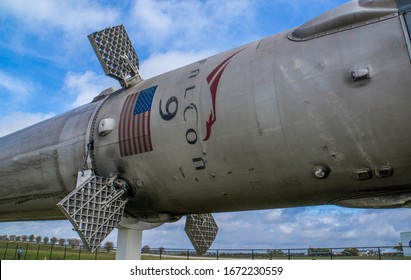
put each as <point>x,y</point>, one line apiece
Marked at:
<point>94,208</point>
<point>201,230</point>
<point>116,54</point>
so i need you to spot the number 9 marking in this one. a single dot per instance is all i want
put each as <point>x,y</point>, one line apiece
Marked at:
<point>169,115</point>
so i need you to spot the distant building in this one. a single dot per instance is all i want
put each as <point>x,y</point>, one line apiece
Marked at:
<point>406,243</point>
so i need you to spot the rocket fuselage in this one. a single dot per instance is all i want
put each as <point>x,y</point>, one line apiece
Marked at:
<point>244,129</point>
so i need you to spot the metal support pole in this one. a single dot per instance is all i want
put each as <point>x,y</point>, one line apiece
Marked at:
<point>5,251</point>
<point>217,254</point>
<point>130,237</point>
<point>129,244</point>
<point>379,253</point>
<point>65,250</point>
<point>15,252</point>
<point>25,253</point>
<point>289,254</point>
<point>38,252</point>
<point>51,251</point>
<point>252,254</point>
<point>79,252</point>
<point>331,252</point>
<point>188,254</point>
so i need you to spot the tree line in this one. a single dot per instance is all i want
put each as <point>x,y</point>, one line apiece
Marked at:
<point>39,239</point>
<point>73,242</point>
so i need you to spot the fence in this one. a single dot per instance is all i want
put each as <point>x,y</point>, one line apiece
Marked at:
<point>33,251</point>
<point>366,253</point>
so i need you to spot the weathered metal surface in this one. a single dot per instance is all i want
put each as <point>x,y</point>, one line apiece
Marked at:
<point>241,130</point>
<point>39,165</point>
<point>348,16</point>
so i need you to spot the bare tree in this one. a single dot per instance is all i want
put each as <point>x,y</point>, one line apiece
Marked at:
<point>62,241</point>
<point>73,242</point>
<point>46,239</point>
<point>24,237</point>
<point>31,237</point>
<point>38,239</point>
<point>53,240</point>
<point>109,246</point>
<point>12,237</point>
<point>145,249</point>
<point>70,242</point>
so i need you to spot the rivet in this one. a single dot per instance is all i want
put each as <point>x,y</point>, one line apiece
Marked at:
<point>321,172</point>
<point>139,183</point>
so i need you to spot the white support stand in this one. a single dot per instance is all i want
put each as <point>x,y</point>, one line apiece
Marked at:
<point>129,244</point>
<point>130,237</point>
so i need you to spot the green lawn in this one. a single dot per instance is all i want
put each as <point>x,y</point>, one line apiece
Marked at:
<point>33,251</point>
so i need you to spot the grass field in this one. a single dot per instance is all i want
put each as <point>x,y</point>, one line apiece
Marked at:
<point>33,251</point>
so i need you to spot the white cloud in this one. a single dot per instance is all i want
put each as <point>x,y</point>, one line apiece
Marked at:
<point>67,15</point>
<point>54,30</point>
<point>19,88</point>
<point>286,229</point>
<point>274,215</point>
<point>18,120</point>
<point>162,62</point>
<point>84,87</point>
<point>296,228</point>
<point>184,24</point>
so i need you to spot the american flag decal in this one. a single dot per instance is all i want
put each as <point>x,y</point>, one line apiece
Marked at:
<point>134,130</point>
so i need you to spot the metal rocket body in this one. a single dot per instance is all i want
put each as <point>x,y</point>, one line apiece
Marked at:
<point>315,115</point>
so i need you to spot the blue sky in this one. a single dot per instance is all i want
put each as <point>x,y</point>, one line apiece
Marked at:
<point>47,67</point>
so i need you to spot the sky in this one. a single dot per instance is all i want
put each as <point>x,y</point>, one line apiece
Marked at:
<point>47,67</point>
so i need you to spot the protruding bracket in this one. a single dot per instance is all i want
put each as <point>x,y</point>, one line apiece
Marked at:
<point>362,174</point>
<point>360,74</point>
<point>384,171</point>
<point>116,54</point>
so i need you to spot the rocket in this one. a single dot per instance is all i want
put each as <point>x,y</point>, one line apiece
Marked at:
<point>316,115</point>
